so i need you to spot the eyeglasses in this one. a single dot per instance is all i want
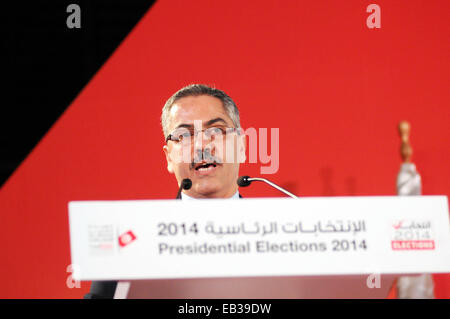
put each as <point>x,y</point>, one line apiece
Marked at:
<point>185,135</point>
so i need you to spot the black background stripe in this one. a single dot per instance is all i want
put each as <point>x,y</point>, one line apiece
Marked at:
<point>45,64</point>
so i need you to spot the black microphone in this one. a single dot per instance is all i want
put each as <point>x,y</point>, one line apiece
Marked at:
<point>245,181</point>
<point>185,184</point>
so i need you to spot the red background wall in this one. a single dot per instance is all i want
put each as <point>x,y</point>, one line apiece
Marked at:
<point>335,88</point>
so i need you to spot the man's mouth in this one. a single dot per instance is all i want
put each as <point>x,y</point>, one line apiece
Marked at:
<point>205,168</point>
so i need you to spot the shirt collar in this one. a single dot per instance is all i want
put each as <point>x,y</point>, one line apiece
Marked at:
<point>186,197</point>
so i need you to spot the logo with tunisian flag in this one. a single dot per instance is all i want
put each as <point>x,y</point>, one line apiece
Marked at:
<point>412,235</point>
<point>126,238</point>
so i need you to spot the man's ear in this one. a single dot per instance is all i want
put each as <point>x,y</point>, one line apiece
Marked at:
<point>168,158</point>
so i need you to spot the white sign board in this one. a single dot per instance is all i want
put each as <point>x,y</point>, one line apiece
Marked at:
<point>169,239</point>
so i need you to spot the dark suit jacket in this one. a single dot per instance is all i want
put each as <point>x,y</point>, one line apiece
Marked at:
<point>107,289</point>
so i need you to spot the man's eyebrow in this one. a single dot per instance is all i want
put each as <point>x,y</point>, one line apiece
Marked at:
<point>188,126</point>
<point>217,119</point>
<point>207,123</point>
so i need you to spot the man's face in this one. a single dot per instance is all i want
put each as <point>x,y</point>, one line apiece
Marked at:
<point>214,176</point>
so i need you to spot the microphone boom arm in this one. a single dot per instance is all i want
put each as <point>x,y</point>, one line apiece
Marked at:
<point>251,179</point>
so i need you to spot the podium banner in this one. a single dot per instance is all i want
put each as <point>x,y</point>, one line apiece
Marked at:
<point>169,239</point>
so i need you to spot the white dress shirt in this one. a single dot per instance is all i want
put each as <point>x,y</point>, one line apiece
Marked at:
<point>186,197</point>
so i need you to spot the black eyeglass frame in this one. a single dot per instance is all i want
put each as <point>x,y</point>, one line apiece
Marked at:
<point>228,130</point>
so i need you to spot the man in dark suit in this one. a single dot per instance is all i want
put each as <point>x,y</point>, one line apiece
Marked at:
<point>204,143</point>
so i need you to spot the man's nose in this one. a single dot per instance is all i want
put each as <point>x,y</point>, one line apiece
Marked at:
<point>201,141</point>
<point>203,146</point>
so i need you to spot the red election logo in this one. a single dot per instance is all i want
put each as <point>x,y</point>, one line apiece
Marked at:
<point>412,235</point>
<point>126,238</point>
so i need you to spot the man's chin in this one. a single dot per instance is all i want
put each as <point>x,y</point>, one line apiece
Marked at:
<point>207,189</point>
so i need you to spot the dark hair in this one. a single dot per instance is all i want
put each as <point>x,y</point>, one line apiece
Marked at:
<point>196,90</point>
